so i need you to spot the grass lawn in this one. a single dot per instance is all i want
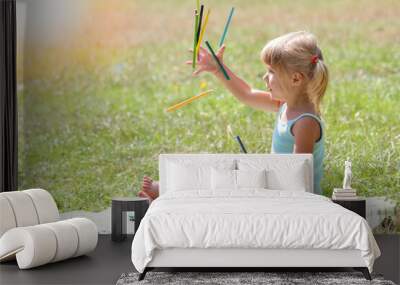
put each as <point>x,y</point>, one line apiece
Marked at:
<point>92,118</point>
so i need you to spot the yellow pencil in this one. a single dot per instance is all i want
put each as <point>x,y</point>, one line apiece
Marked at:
<point>202,33</point>
<point>187,101</point>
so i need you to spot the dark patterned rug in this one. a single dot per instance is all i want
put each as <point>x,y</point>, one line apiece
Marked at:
<point>230,278</point>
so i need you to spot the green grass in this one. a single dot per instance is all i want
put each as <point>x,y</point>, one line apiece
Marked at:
<point>90,132</point>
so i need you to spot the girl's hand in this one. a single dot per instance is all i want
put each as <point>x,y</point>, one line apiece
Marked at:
<point>206,62</point>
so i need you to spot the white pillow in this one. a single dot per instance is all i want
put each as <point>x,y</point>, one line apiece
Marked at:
<point>293,180</point>
<point>251,178</point>
<point>188,177</point>
<point>192,173</point>
<point>282,174</point>
<point>223,179</point>
<point>227,179</point>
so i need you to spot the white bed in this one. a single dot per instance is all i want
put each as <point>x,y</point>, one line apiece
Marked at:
<point>249,210</point>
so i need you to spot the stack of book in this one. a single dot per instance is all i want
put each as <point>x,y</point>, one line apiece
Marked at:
<point>344,194</point>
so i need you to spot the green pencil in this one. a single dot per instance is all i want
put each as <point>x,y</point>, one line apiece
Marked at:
<point>217,60</point>
<point>196,23</point>
<point>226,27</point>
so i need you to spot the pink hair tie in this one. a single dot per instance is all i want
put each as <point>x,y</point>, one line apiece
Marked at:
<point>314,59</point>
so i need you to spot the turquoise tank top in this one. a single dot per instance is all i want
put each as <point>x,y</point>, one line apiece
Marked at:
<point>283,142</point>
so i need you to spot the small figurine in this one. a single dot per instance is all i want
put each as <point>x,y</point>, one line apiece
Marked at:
<point>347,174</point>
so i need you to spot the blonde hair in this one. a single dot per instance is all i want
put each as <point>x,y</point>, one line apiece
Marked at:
<point>298,52</point>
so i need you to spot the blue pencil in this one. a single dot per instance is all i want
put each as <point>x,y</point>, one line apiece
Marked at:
<point>241,144</point>
<point>217,60</point>
<point>226,27</point>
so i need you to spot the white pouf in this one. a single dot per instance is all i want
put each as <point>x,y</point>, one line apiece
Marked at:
<point>31,232</point>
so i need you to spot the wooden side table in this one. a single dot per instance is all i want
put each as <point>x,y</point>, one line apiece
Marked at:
<point>119,205</point>
<point>356,205</point>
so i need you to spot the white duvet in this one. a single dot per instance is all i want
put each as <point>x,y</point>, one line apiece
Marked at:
<point>250,218</point>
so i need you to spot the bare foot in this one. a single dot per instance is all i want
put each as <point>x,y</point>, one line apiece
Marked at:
<point>149,188</point>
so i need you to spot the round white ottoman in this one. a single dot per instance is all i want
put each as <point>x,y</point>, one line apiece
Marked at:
<point>30,230</point>
<point>52,242</point>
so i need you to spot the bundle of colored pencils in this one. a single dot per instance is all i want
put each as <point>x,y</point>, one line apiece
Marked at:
<point>199,30</point>
<point>199,33</point>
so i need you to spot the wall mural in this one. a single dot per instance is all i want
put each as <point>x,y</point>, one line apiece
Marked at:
<point>95,79</point>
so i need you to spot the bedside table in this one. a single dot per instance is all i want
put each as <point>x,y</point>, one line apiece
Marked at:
<point>120,206</point>
<point>356,205</point>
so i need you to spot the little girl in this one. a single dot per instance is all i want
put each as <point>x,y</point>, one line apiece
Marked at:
<point>296,80</point>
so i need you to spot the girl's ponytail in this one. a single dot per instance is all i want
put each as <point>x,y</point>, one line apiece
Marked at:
<point>318,82</point>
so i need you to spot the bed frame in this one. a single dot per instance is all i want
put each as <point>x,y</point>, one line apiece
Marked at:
<point>246,259</point>
<point>250,258</point>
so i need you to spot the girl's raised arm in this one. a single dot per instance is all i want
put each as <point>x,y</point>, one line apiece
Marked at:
<point>258,99</point>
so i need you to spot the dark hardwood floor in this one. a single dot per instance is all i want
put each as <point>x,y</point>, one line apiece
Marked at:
<point>110,259</point>
<point>102,266</point>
